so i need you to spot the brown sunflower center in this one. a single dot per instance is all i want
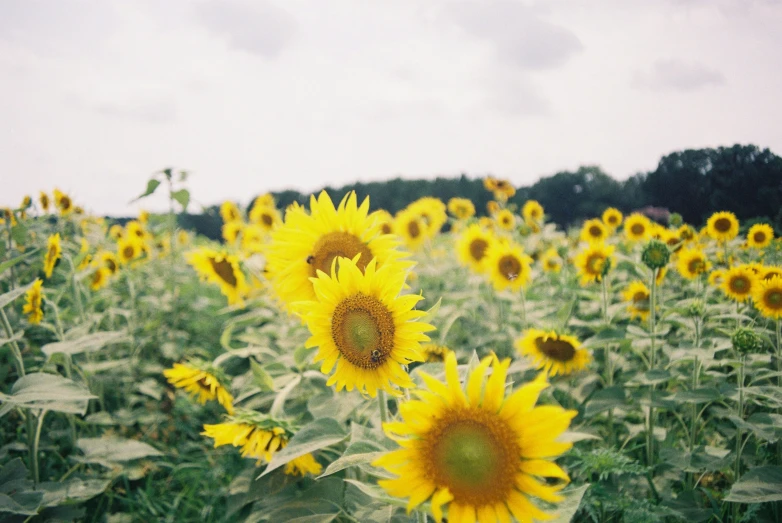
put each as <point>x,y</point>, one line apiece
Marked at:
<point>51,253</point>
<point>509,267</point>
<point>595,263</point>
<point>478,248</point>
<point>759,237</point>
<point>722,224</point>
<point>595,232</point>
<point>386,228</point>
<point>637,229</point>
<point>129,252</point>
<point>413,229</point>
<point>333,245</point>
<point>362,328</point>
<point>640,297</point>
<point>773,298</point>
<point>111,265</point>
<point>224,270</point>
<point>554,349</point>
<point>696,266</point>
<point>739,284</point>
<point>65,203</point>
<point>613,219</point>
<point>474,453</point>
<point>267,220</point>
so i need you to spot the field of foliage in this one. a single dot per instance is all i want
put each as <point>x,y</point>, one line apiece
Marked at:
<point>332,362</point>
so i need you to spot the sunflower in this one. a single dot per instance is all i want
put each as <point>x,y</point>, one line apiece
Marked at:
<point>135,229</point>
<point>128,249</point>
<point>532,211</point>
<point>612,218</point>
<point>505,220</point>
<point>471,247</point>
<point>686,233</point>
<point>99,278</point>
<point>490,183</point>
<point>769,272</point>
<point>108,260</point>
<point>432,212</point>
<point>33,302</point>
<point>265,200</point>
<point>716,277</point>
<point>222,269</point>
<point>384,219</point>
<point>594,261</point>
<point>230,212</point>
<point>202,381</point>
<point>507,266</point>
<point>692,263</point>
<point>363,327</point>
<point>266,216</point>
<point>722,226</point>
<point>434,353</point>
<point>553,352</point>
<point>116,232</point>
<point>637,227</point>
<point>63,202</point>
<point>143,217</point>
<point>307,243</point>
<point>503,190</point>
<point>492,207</point>
<point>303,465</point>
<point>760,235</point>
<point>182,237</point>
<point>232,230</point>
<point>475,452</point>
<point>550,261</point>
<point>411,228</point>
<point>739,282</point>
<point>637,295</point>
<point>767,297</point>
<point>253,238</point>
<point>53,253</point>
<point>461,208</point>
<point>43,198</point>
<point>594,231</point>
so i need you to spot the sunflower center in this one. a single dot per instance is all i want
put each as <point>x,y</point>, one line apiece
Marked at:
<point>65,203</point>
<point>413,229</point>
<point>386,228</point>
<point>759,237</point>
<point>362,328</point>
<point>595,264</point>
<point>223,269</point>
<point>334,245</point>
<point>613,219</point>
<point>640,296</point>
<point>478,248</point>
<point>52,253</point>
<point>739,284</point>
<point>722,224</point>
<point>129,252</point>
<point>97,277</point>
<point>637,229</point>
<point>267,220</point>
<point>559,350</point>
<point>111,266</point>
<point>509,266</point>
<point>696,266</point>
<point>595,231</point>
<point>474,454</point>
<point>773,298</point>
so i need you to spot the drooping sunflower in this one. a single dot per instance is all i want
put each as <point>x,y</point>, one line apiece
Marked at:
<point>612,218</point>
<point>63,202</point>
<point>303,465</point>
<point>461,208</point>
<point>692,262</point>
<point>474,452</point>
<point>472,245</point>
<point>505,220</point>
<point>550,261</point>
<point>53,253</point>
<point>553,352</point>
<point>722,226</point>
<point>594,231</point>
<point>364,330</point>
<point>767,297</point>
<point>532,211</point>
<point>99,278</point>
<point>43,198</point>
<point>637,227</point>
<point>222,269</point>
<point>638,297</point>
<point>33,303</point>
<point>411,228</point>
<point>230,212</point>
<point>202,381</point>
<point>307,243</point>
<point>507,266</point>
<point>760,235</point>
<point>594,261</point>
<point>738,282</point>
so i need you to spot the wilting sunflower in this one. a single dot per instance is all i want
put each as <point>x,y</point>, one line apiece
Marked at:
<point>722,226</point>
<point>434,353</point>
<point>553,352</point>
<point>461,208</point>
<point>692,262</point>
<point>307,243</point>
<point>550,261</point>
<point>505,220</point>
<point>53,253</point>
<point>471,247</point>
<point>63,202</point>
<point>637,295</point>
<point>222,269</point>
<point>474,452</point>
<point>43,198</point>
<point>33,302</point>
<point>594,262</point>
<point>363,327</point>
<point>760,235</point>
<point>532,211</point>
<point>594,231</point>
<point>128,249</point>
<point>637,227</point>
<point>739,282</point>
<point>767,297</point>
<point>411,228</point>
<point>230,212</point>
<point>507,266</point>
<point>99,278</point>
<point>202,381</point>
<point>612,218</point>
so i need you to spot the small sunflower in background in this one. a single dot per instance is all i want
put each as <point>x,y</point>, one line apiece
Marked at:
<point>232,230</point>
<point>135,229</point>
<point>771,271</point>
<point>593,262</point>
<point>738,283</point>
<point>637,227</point>
<point>411,228</point>
<point>507,267</point>
<point>364,330</point>
<point>143,217</point>
<point>461,208</point>
<point>612,218</point>
<point>384,220</point>
<point>53,253</point>
<point>687,234</point>
<point>63,202</point>
<point>34,302</point>
<point>767,297</point>
<point>202,381</point>
<point>472,452</point>
<point>434,353</point>
<point>505,220</point>
<point>594,231</point>
<point>722,226</point>
<point>760,235</point>
<point>532,211</point>
<point>43,199</point>
<point>99,278</point>
<point>230,212</point>
<point>553,352</point>
<point>716,277</point>
<point>116,232</point>
<point>638,297</point>
<point>503,190</point>
<point>472,245</point>
<point>108,260</point>
<point>128,249</point>
<point>222,269</point>
<point>432,212</point>
<point>692,262</point>
<point>265,215</point>
<point>492,207</point>
<point>551,261</point>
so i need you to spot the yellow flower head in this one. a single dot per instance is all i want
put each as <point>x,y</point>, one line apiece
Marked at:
<point>739,282</point>
<point>475,452</point>
<point>135,230</point>
<point>492,207</point>
<point>108,260</point>
<point>222,269</point>
<point>532,211</point>
<point>553,352</point>
<point>432,214</point>
<point>767,297</point>
<point>505,220</point>
<point>202,381</point>
<point>384,220</point>
<point>503,190</point>
<point>232,230</point>
<point>265,216</point>
<point>507,266</point>
<point>53,253</point>
<point>612,218</point>
<point>411,228</point>
<point>760,235</point>
<point>692,262</point>
<point>99,278</point>
<point>128,249</point>
<point>143,217</point>
<point>116,231</point>
<point>43,198</point>
<point>33,303</point>
<point>303,465</point>
<point>461,208</point>
<point>490,183</point>
<point>594,262</point>
<point>550,261</point>
<point>637,295</point>
<point>63,202</point>
<point>637,227</point>
<point>722,226</point>
<point>364,330</point>
<point>472,245</point>
<point>769,272</point>
<point>230,212</point>
<point>434,353</point>
<point>594,231</point>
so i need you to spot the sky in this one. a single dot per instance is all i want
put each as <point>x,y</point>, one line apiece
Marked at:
<point>251,96</point>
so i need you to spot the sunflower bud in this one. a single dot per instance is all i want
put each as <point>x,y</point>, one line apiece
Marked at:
<point>696,309</point>
<point>656,255</point>
<point>745,340</point>
<point>675,219</point>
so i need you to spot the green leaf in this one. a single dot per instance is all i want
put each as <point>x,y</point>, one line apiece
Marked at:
<point>13,261</point>
<point>89,343</point>
<point>376,492</point>
<point>73,490</point>
<point>316,435</point>
<point>262,378</point>
<point>16,493</point>
<point>358,453</point>
<point>759,485</point>
<point>102,450</point>
<point>16,337</point>
<point>605,337</point>
<point>152,184</point>
<point>11,295</point>
<point>606,399</point>
<point>49,392</point>
<point>19,233</point>
<point>568,507</point>
<point>651,377</point>
<point>182,196</point>
<point>702,395</point>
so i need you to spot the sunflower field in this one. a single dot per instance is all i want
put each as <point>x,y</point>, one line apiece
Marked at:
<point>332,362</point>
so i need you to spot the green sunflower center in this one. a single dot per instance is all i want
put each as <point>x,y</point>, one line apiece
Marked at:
<point>478,248</point>
<point>509,266</point>
<point>773,299</point>
<point>739,284</point>
<point>334,245</point>
<point>224,270</point>
<point>362,328</point>
<point>722,224</point>
<point>554,349</point>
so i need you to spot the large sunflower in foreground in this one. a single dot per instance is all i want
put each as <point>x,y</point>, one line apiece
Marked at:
<point>472,245</point>
<point>767,297</point>
<point>221,269</point>
<point>594,262</point>
<point>760,235</point>
<point>553,352</point>
<point>474,452</point>
<point>507,266</point>
<point>362,327</point>
<point>738,282</point>
<point>202,381</point>
<point>307,243</point>
<point>692,262</point>
<point>722,226</point>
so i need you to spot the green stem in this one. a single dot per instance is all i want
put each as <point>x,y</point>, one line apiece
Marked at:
<point>421,516</point>
<point>779,379</point>
<point>14,346</point>
<point>652,362</point>
<point>523,309</point>
<point>382,403</point>
<point>695,383</point>
<point>739,432</point>
<point>36,442</point>
<point>75,287</point>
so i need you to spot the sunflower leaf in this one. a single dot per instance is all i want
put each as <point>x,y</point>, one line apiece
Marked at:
<point>10,296</point>
<point>151,186</point>
<point>759,485</point>
<point>182,196</point>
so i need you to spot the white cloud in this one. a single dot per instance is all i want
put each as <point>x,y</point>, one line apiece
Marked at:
<point>678,76</point>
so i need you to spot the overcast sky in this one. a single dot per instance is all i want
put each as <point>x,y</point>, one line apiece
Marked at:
<point>259,95</point>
